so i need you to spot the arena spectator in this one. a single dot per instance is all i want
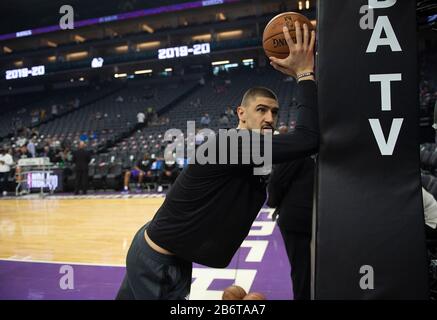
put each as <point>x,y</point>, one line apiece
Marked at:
<point>430,213</point>
<point>141,117</point>
<point>139,171</point>
<point>229,112</point>
<point>84,137</point>
<point>81,158</point>
<point>54,110</point>
<point>34,117</point>
<point>169,174</point>
<point>282,128</point>
<point>199,138</point>
<point>31,147</point>
<point>205,120</point>
<point>42,114</point>
<point>34,133</point>
<point>224,121</point>
<point>6,162</point>
<point>22,153</point>
<point>47,152</point>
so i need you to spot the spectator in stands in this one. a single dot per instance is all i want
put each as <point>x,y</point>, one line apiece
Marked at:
<point>282,128</point>
<point>119,99</point>
<point>224,121</point>
<point>34,117</point>
<point>22,153</point>
<point>54,110</point>
<point>48,153</point>
<point>31,147</point>
<point>199,138</point>
<point>93,136</point>
<point>166,120</point>
<point>197,103</point>
<point>229,112</point>
<point>42,114</point>
<point>141,117</point>
<point>140,170</point>
<point>6,162</point>
<point>21,141</point>
<point>34,133</point>
<point>170,173</point>
<point>84,137</point>
<point>430,212</point>
<point>205,120</point>
<point>81,159</point>
<point>65,154</point>
<point>154,121</point>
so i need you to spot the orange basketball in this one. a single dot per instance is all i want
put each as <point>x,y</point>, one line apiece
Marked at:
<point>254,296</point>
<point>234,293</point>
<point>274,43</point>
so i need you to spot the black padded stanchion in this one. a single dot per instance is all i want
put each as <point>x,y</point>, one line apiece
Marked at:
<point>369,226</point>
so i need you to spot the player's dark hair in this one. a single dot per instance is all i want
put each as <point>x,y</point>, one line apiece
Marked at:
<point>254,92</point>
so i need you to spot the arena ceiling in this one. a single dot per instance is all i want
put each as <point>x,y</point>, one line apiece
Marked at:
<point>27,14</point>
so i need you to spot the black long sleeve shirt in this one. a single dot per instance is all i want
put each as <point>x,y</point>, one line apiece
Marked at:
<point>210,208</point>
<point>81,159</point>
<point>290,191</point>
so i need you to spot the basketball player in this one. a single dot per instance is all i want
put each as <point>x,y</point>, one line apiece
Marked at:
<point>210,208</point>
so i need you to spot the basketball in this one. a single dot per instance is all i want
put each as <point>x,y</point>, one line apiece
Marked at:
<point>274,42</point>
<point>234,293</point>
<point>255,296</point>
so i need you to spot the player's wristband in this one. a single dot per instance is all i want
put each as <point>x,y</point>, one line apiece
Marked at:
<point>305,74</point>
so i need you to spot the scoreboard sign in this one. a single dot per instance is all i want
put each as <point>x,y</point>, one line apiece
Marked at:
<point>184,51</point>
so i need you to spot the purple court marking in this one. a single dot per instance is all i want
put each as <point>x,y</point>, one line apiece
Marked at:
<point>41,281</point>
<point>273,272</point>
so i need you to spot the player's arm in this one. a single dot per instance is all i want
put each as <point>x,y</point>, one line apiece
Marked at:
<point>304,140</point>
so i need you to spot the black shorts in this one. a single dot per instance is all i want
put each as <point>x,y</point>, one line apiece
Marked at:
<point>151,275</point>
